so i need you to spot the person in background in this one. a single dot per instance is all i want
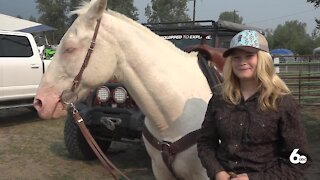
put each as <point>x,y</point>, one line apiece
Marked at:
<point>253,128</point>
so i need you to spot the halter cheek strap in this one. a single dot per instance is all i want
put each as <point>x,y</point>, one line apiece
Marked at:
<point>78,77</point>
<point>69,96</point>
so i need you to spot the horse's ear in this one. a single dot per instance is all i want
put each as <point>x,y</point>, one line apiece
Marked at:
<point>96,10</point>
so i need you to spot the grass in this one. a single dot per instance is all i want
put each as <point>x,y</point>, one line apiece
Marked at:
<point>312,126</point>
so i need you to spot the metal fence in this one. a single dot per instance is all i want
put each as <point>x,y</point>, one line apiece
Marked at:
<point>302,75</point>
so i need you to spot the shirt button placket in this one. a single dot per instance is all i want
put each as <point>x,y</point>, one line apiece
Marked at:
<point>235,148</point>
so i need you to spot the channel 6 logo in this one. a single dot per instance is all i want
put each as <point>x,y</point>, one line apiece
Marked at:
<point>296,158</point>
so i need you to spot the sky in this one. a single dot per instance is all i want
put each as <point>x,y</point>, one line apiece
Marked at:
<point>263,14</point>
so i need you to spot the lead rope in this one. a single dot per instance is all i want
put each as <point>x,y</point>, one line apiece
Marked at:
<point>68,97</point>
<point>107,164</point>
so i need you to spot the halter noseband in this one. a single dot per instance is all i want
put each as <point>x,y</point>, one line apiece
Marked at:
<point>69,96</point>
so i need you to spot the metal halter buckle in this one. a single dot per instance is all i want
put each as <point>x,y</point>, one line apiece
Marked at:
<point>68,98</point>
<point>165,146</point>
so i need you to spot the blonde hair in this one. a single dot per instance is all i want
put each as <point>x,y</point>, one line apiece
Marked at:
<point>271,87</point>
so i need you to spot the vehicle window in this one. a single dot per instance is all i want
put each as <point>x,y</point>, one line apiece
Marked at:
<point>15,46</point>
<point>223,41</point>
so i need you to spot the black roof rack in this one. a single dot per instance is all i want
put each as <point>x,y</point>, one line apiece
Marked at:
<point>238,27</point>
<point>196,27</point>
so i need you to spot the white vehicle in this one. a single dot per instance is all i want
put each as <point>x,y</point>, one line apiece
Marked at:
<point>21,69</point>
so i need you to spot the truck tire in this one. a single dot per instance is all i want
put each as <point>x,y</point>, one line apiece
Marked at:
<point>77,145</point>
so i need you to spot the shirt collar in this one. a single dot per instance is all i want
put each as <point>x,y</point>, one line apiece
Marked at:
<point>252,97</point>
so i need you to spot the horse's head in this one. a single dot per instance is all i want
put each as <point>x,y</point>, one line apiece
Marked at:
<point>69,58</point>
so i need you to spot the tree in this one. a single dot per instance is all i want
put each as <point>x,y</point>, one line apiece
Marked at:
<point>73,5</point>
<point>167,11</point>
<point>231,16</point>
<point>54,13</point>
<point>316,2</point>
<point>316,5</point>
<point>292,35</point>
<point>125,7</point>
<point>32,18</point>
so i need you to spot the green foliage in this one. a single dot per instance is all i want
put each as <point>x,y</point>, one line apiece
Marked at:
<point>32,18</point>
<point>167,11</point>
<point>74,4</point>
<point>125,7</point>
<point>292,35</point>
<point>53,13</point>
<point>318,23</point>
<point>231,16</point>
<point>316,4</point>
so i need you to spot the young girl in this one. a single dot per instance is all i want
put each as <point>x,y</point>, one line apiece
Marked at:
<point>253,129</point>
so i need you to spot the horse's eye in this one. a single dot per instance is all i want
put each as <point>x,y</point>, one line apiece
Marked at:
<point>69,50</point>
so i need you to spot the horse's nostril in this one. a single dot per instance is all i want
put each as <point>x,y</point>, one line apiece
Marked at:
<point>37,103</point>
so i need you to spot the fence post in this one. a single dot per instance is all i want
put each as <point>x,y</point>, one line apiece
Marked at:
<point>299,87</point>
<point>276,63</point>
<point>309,73</point>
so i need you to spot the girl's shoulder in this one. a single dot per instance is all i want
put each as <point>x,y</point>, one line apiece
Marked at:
<point>216,98</point>
<point>287,101</point>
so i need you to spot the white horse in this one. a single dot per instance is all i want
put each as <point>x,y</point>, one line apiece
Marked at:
<point>165,82</point>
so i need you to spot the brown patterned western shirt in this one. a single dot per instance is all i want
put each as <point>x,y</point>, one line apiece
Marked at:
<point>252,141</point>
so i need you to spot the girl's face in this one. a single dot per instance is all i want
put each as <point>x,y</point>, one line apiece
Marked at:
<point>244,64</point>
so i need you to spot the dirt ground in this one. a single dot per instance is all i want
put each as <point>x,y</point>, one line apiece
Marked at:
<point>31,148</point>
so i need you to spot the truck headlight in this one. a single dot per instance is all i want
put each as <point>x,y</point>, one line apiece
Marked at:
<point>120,95</point>
<point>103,94</point>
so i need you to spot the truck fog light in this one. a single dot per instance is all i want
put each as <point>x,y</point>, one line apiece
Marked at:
<point>103,94</point>
<point>120,95</point>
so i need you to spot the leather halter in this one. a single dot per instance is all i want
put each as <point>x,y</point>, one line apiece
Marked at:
<point>78,77</point>
<point>107,164</point>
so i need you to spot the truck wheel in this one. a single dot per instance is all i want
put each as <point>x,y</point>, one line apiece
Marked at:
<point>77,145</point>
